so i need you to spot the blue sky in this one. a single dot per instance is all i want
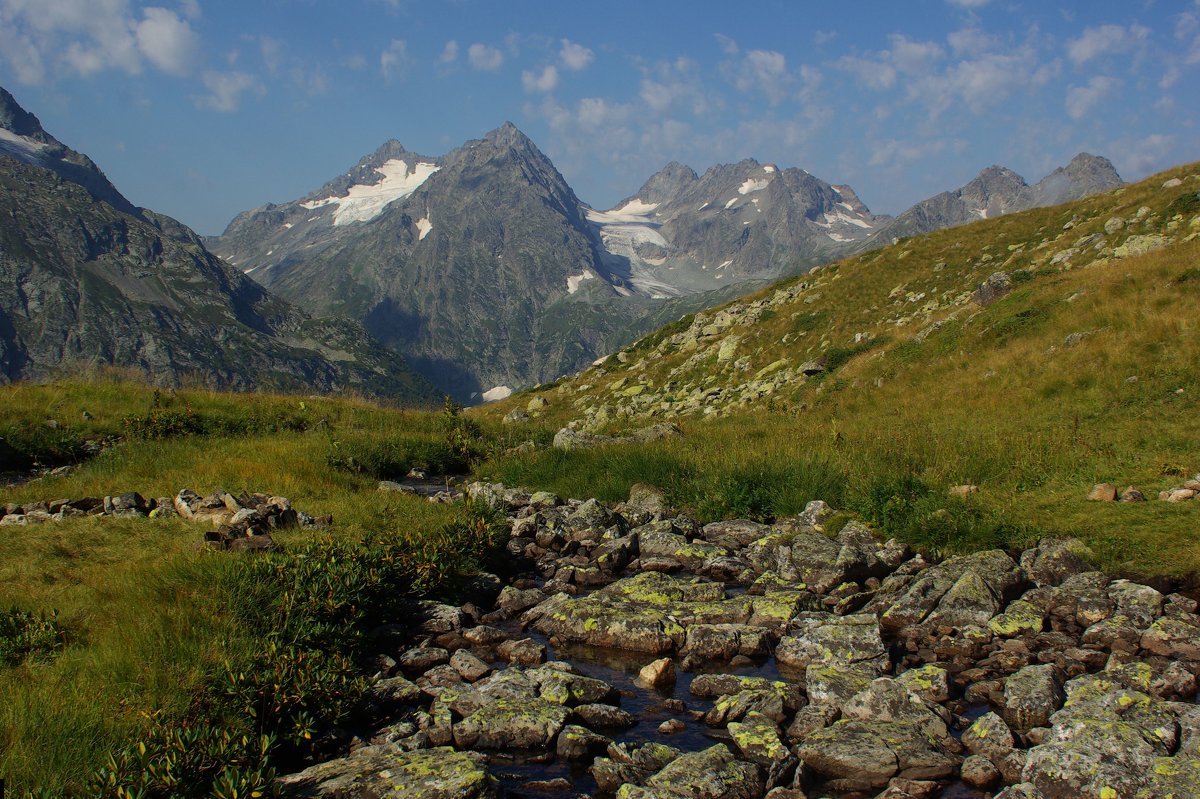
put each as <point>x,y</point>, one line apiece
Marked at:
<point>202,109</point>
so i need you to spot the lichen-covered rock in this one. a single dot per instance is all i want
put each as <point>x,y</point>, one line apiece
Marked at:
<point>441,773</point>
<point>834,684</point>
<point>757,738</point>
<point>644,613</point>
<point>1056,559</point>
<point>886,700</point>
<point>964,590</point>
<point>1019,618</point>
<point>1141,603</point>
<point>579,743</point>
<point>862,755</point>
<point>931,683</point>
<point>1031,696</point>
<point>630,764</point>
<point>713,773</point>
<point>823,638</point>
<point>507,724</point>
<point>989,737</point>
<point>1173,638</point>
<point>713,642</point>
<point>734,534</point>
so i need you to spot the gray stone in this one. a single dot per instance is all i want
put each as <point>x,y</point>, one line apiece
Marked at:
<point>389,771</point>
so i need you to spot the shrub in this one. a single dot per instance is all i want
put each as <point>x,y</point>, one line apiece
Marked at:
<point>24,635</point>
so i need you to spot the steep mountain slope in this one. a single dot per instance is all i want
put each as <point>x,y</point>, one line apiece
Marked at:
<point>88,280</point>
<point>470,269</point>
<point>998,190</point>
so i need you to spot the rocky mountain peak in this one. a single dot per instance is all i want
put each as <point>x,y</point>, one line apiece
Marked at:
<point>17,120</point>
<point>668,183</point>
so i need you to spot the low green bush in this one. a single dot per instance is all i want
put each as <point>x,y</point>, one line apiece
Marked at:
<point>29,635</point>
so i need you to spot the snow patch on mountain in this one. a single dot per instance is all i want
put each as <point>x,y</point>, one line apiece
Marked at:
<point>365,202</point>
<point>752,185</point>
<point>423,228</point>
<point>497,393</point>
<point>573,281</point>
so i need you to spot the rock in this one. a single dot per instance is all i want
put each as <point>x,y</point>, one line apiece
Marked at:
<point>1031,696</point>
<point>421,659</point>
<point>469,666</point>
<point>525,652</point>
<point>566,438</point>
<point>1056,559</point>
<point>388,771</point>
<point>630,764</point>
<point>757,738</point>
<point>507,724</point>
<point>931,683</point>
<point>1102,492</point>
<point>822,638</point>
<point>978,772</point>
<point>659,674</point>
<point>1173,638</point>
<point>723,642</point>
<point>734,534</point>
<point>889,700</point>
<point>834,684</point>
<point>1177,495</point>
<point>814,367</point>
<point>992,289</point>
<point>396,691</point>
<point>671,726</point>
<point>648,500</point>
<point>963,490</point>
<point>709,774</point>
<point>579,743</point>
<point>861,755</point>
<point>604,717</point>
<point>1113,225</point>
<point>513,601</point>
<point>989,737</point>
<point>1141,245</point>
<point>1019,618</point>
<point>434,617</point>
<point>959,592</point>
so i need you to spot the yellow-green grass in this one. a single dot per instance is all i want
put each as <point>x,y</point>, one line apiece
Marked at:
<point>141,604</point>
<point>997,396</point>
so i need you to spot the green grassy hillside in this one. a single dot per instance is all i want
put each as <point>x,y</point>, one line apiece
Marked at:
<point>1085,371</point>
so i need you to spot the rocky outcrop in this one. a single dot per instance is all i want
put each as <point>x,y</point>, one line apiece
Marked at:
<point>1061,681</point>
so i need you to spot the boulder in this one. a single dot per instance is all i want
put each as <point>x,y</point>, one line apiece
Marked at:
<point>441,773</point>
<point>864,755</point>
<point>712,773</point>
<point>659,674</point>
<point>1031,696</point>
<point>989,737</point>
<point>826,639</point>
<point>506,724</point>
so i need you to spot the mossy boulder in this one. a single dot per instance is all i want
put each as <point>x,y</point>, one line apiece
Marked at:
<point>713,773</point>
<point>441,773</point>
<point>865,755</point>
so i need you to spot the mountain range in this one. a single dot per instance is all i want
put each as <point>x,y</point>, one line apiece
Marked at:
<point>89,280</point>
<point>479,270</point>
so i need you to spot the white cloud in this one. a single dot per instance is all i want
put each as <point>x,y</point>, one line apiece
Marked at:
<point>597,113</point>
<point>1082,99</point>
<point>1105,40</point>
<point>728,46</point>
<point>677,82</point>
<point>87,37</point>
<point>226,89</point>
<point>393,59</point>
<point>1187,30</point>
<point>1145,155</point>
<point>913,57</point>
<point>895,153</point>
<point>484,57</point>
<point>449,53</point>
<point>272,53</point>
<point>167,41</point>
<point>544,81</point>
<point>765,70</point>
<point>575,56</point>
<point>971,41</point>
<point>873,73</point>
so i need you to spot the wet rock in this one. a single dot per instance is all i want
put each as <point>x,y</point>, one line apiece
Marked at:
<point>389,771</point>
<point>606,717</point>
<point>713,773</point>
<point>579,743</point>
<point>659,674</point>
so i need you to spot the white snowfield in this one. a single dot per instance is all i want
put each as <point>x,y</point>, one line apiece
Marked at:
<point>838,216</point>
<point>573,281</point>
<point>752,185</point>
<point>24,143</point>
<point>423,228</point>
<point>769,168</point>
<point>497,393</point>
<point>981,212</point>
<point>365,202</point>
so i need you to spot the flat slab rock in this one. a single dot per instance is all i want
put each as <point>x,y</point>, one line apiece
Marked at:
<point>441,773</point>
